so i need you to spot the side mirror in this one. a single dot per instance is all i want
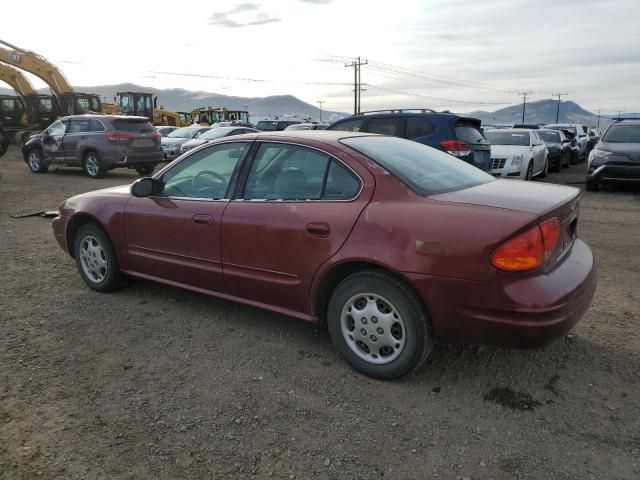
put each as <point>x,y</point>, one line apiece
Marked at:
<point>145,187</point>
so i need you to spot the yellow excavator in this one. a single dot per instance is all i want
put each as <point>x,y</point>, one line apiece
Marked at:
<point>27,113</point>
<point>210,116</point>
<point>145,104</point>
<point>68,101</point>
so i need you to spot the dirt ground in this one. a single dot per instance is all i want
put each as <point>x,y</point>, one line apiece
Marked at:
<point>153,382</point>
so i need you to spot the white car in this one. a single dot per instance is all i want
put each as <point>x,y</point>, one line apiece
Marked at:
<point>173,141</point>
<point>580,131</point>
<point>517,153</point>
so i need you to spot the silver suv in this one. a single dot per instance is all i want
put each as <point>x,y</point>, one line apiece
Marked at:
<point>97,143</point>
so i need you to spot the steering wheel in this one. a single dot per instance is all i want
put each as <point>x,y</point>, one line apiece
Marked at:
<point>219,179</point>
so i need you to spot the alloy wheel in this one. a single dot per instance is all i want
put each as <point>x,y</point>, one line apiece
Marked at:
<point>93,259</point>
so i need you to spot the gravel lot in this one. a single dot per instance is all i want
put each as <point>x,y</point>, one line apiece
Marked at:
<point>154,382</point>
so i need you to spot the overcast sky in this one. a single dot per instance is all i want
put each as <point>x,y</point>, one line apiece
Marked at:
<point>463,55</point>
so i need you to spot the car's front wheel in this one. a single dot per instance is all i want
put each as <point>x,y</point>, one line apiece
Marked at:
<point>35,161</point>
<point>378,325</point>
<point>529,174</point>
<point>545,170</point>
<point>96,259</point>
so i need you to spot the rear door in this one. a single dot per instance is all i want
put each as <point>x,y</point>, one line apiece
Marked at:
<point>77,134</point>
<point>468,130</point>
<point>297,208</point>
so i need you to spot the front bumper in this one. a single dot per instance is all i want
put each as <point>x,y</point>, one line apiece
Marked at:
<point>59,226</point>
<point>512,311</point>
<point>614,172</point>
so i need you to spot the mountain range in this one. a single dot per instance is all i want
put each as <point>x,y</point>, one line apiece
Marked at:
<point>178,99</point>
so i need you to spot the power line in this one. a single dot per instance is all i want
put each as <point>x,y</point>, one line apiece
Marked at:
<point>451,100</point>
<point>241,79</point>
<point>357,82</point>
<point>559,95</point>
<point>524,102</point>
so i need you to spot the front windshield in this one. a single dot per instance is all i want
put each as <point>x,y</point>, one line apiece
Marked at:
<point>426,170</point>
<point>186,132</point>
<point>551,137</point>
<point>214,133</point>
<point>497,137</point>
<point>622,134</point>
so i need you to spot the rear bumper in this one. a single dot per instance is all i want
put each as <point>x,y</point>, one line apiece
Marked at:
<point>620,172</point>
<point>126,158</point>
<point>511,311</point>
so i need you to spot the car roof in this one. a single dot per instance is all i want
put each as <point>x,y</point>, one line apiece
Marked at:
<point>516,130</point>
<point>630,121</point>
<point>100,116</point>
<point>324,136</point>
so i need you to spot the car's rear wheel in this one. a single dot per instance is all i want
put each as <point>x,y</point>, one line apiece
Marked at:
<point>96,259</point>
<point>378,325</point>
<point>92,165</point>
<point>35,161</point>
<point>145,169</point>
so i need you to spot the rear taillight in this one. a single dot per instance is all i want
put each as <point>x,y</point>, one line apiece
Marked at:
<point>119,137</point>
<point>528,250</point>
<point>455,147</point>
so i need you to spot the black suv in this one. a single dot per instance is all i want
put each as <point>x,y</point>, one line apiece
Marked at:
<point>451,133</point>
<point>616,157</point>
<point>97,143</point>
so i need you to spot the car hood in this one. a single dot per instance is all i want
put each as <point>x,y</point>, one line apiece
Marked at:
<point>630,149</point>
<point>529,197</point>
<point>508,150</point>
<point>173,141</point>
<point>122,190</point>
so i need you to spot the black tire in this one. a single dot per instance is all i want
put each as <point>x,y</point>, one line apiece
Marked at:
<point>568,163</point>
<point>92,165</point>
<point>529,175</point>
<point>592,186</point>
<point>416,334</point>
<point>575,159</point>
<point>545,170</point>
<point>35,161</point>
<point>112,279</point>
<point>145,170</point>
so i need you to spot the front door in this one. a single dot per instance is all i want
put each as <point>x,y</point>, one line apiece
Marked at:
<point>297,208</point>
<point>52,142</point>
<point>175,236</point>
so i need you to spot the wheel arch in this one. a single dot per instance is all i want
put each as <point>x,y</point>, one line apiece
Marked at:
<point>77,222</point>
<point>331,278</point>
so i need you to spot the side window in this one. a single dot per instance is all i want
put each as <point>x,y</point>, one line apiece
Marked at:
<point>341,183</point>
<point>9,105</point>
<point>286,172</point>
<point>418,127</point>
<point>57,128</point>
<point>79,126</point>
<point>205,174</point>
<point>96,126</point>
<point>386,126</point>
<point>348,125</point>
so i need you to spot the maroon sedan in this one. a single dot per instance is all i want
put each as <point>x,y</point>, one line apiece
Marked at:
<point>394,244</point>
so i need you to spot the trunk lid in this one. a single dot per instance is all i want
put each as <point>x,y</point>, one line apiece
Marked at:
<point>468,131</point>
<point>542,200</point>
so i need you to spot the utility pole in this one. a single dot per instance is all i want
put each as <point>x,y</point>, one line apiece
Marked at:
<point>357,82</point>
<point>524,103</point>
<point>559,95</point>
<point>598,119</point>
<point>320,102</point>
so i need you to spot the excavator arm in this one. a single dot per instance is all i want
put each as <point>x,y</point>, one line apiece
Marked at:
<point>69,102</point>
<point>16,80</point>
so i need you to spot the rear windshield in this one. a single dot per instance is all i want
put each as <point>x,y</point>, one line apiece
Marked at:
<point>215,133</point>
<point>561,127</point>
<point>268,126</point>
<point>551,137</point>
<point>622,134</point>
<point>133,126</point>
<point>426,170</point>
<point>186,132</point>
<point>469,133</point>
<point>497,137</point>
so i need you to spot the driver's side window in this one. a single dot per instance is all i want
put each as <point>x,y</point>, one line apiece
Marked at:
<point>57,128</point>
<point>206,173</point>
